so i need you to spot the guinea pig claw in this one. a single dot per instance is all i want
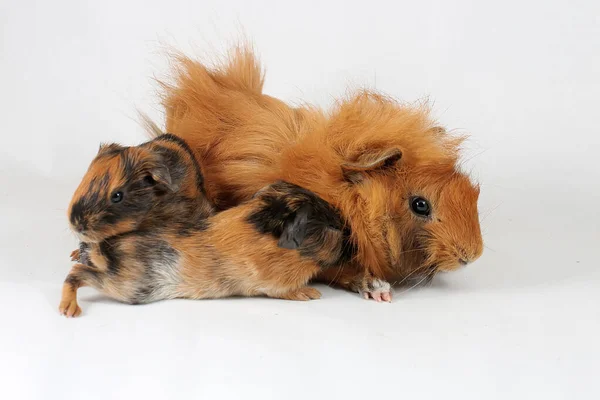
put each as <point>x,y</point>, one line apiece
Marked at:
<point>376,296</point>
<point>386,296</point>
<point>379,297</point>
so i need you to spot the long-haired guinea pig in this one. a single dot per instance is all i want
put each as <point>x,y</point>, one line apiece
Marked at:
<point>390,171</point>
<point>148,233</point>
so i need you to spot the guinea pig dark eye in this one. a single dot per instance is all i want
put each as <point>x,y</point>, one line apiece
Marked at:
<point>116,197</point>
<point>420,206</point>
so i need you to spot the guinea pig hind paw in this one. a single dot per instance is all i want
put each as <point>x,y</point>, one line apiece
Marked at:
<point>69,308</point>
<point>386,296</point>
<point>302,294</point>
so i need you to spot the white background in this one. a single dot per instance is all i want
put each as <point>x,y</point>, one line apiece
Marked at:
<point>521,323</point>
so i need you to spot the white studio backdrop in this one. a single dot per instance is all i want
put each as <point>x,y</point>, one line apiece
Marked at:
<point>521,77</point>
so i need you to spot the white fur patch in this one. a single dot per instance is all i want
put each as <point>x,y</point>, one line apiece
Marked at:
<point>380,286</point>
<point>166,278</point>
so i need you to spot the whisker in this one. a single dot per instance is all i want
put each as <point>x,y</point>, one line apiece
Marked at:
<point>415,285</point>
<point>412,273</point>
<point>474,156</point>
<point>489,248</point>
<point>484,216</point>
<point>492,209</point>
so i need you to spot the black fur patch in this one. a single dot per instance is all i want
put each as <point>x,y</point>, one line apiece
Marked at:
<point>168,137</point>
<point>109,150</point>
<point>91,202</point>
<point>73,281</point>
<point>277,210</point>
<point>108,249</point>
<point>152,249</point>
<point>77,213</point>
<point>172,159</point>
<point>128,164</point>
<point>294,230</point>
<point>301,220</point>
<point>180,214</point>
<point>272,216</point>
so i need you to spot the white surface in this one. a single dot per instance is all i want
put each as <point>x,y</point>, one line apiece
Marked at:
<point>521,323</point>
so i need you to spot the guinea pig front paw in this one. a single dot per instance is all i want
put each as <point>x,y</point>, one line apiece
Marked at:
<point>75,255</point>
<point>378,290</point>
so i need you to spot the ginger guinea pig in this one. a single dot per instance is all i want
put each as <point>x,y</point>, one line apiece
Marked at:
<point>390,171</point>
<point>148,233</point>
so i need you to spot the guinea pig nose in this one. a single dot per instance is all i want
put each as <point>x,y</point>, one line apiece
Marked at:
<point>462,261</point>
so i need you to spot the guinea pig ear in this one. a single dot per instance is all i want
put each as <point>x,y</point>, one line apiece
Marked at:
<point>373,161</point>
<point>162,177</point>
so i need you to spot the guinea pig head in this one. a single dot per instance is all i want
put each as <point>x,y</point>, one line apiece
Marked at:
<point>426,212</point>
<point>118,190</point>
<point>440,209</point>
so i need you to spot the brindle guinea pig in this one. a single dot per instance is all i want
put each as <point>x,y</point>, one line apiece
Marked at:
<point>148,233</point>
